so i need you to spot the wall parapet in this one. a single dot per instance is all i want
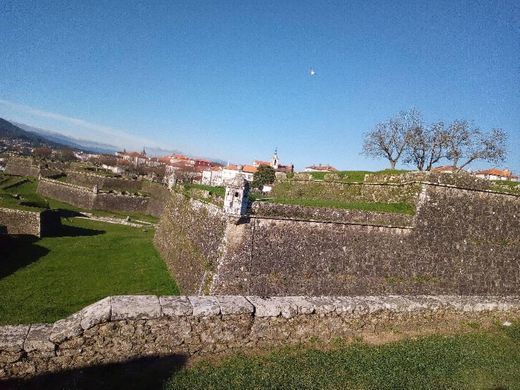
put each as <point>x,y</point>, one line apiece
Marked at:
<point>119,328</point>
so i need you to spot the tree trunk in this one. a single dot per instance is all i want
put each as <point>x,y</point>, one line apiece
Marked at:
<point>392,164</point>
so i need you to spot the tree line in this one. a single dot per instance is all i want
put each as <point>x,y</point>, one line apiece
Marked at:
<point>406,136</point>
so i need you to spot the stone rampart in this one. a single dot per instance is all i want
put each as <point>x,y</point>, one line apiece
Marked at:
<point>87,198</point>
<point>460,241</point>
<point>87,179</point>
<point>190,240</point>
<point>22,167</point>
<point>121,328</point>
<point>69,193</point>
<point>119,202</point>
<point>35,223</point>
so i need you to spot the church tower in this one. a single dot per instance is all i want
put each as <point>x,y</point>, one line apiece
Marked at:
<point>275,162</point>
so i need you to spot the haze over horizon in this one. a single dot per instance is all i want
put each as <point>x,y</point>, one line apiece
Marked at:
<point>231,80</point>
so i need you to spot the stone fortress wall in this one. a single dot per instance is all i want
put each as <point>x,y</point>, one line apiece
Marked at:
<point>21,167</point>
<point>86,179</point>
<point>122,328</point>
<point>460,241</point>
<point>87,198</point>
<point>34,223</point>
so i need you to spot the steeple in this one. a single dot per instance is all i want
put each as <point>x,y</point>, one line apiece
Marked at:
<point>275,161</point>
<point>144,152</point>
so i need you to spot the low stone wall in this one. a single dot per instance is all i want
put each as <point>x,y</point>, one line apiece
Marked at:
<point>35,223</point>
<point>120,328</point>
<point>20,221</point>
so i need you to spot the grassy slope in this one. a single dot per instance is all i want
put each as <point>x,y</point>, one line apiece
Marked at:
<point>53,277</point>
<point>472,361</point>
<point>26,191</point>
<point>355,176</point>
<point>349,177</point>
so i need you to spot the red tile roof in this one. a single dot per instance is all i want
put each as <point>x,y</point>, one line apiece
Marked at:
<point>497,172</point>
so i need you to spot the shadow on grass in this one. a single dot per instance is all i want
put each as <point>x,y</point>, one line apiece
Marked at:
<point>17,252</point>
<point>143,373</point>
<point>74,231</point>
<point>69,213</point>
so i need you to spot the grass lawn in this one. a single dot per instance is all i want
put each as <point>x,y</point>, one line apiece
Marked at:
<point>213,190</point>
<point>48,279</point>
<point>402,208</point>
<point>489,360</point>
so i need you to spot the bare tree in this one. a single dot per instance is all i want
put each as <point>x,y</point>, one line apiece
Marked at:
<point>43,152</point>
<point>468,143</point>
<point>426,145</point>
<point>389,139</point>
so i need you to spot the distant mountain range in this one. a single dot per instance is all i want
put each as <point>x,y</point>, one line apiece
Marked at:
<point>64,140</point>
<point>38,137</point>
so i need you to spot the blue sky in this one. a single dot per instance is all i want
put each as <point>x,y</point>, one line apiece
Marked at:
<point>230,79</point>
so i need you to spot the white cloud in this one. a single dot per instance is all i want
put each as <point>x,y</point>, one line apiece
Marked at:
<point>102,133</point>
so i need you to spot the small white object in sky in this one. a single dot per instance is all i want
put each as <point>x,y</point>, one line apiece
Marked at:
<point>312,72</point>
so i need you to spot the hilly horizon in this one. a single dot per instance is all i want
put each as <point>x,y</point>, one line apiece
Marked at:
<point>39,136</point>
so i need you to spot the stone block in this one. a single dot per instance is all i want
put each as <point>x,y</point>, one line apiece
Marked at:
<point>135,307</point>
<point>344,305</point>
<point>265,307</point>
<point>231,304</point>
<point>66,328</point>
<point>96,313</point>
<point>204,306</point>
<point>323,305</point>
<point>13,337</point>
<point>303,304</point>
<point>175,306</point>
<point>38,339</point>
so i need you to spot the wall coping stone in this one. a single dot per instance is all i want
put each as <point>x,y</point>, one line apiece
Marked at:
<point>204,306</point>
<point>175,306</point>
<point>44,337</point>
<point>38,338</point>
<point>12,337</point>
<point>135,307</point>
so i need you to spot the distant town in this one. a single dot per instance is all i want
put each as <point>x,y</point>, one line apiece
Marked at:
<point>170,169</point>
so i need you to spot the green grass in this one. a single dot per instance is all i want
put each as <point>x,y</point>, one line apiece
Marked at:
<point>402,208</point>
<point>507,183</point>
<point>355,176</point>
<point>486,360</point>
<point>214,191</point>
<point>48,279</point>
<point>27,199</point>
